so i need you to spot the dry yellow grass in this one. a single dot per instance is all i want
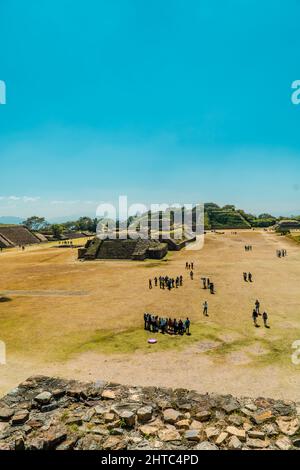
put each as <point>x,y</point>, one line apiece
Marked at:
<point>84,319</point>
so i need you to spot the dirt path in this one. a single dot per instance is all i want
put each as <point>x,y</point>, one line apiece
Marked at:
<point>226,353</point>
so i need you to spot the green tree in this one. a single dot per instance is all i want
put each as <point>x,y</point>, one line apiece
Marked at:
<point>266,216</point>
<point>57,230</point>
<point>86,224</point>
<point>35,223</point>
<point>229,207</point>
<point>210,206</point>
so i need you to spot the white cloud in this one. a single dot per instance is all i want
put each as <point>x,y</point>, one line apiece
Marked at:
<point>30,199</point>
<point>25,199</point>
<point>65,202</point>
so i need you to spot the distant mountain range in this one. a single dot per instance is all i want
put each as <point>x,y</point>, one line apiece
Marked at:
<point>6,219</point>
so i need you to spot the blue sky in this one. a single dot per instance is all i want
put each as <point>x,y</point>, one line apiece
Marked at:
<point>164,101</point>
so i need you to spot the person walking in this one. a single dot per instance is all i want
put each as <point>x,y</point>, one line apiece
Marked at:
<point>187,326</point>
<point>265,319</point>
<point>205,308</point>
<point>254,317</point>
<point>150,284</point>
<point>250,277</point>
<point>145,321</point>
<point>257,305</point>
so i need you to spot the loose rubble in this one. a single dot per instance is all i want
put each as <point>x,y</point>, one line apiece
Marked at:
<point>46,413</point>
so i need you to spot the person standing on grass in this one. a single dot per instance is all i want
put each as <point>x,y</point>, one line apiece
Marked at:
<point>205,308</point>
<point>254,317</point>
<point>265,319</point>
<point>187,326</point>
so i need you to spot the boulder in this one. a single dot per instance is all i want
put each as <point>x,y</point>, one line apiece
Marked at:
<point>144,414</point>
<point>170,415</point>
<point>167,435</point>
<point>43,398</point>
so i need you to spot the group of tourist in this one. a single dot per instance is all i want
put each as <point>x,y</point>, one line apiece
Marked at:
<point>189,266</point>
<point>207,284</point>
<point>281,253</point>
<point>166,325</point>
<point>166,282</point>
<point>248,277</point>
<point>256,313</point>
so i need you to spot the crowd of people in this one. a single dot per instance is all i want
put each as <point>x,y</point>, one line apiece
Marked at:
<point>167,325</point>
<point>166,282</point>
<point>256,313</point>
<point>164,325</point>
<point>281,253</point>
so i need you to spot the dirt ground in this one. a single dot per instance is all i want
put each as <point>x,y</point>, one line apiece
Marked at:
<point>84,320</point>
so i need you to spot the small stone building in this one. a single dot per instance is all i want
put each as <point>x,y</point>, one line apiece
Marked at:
<point>138,249</point>
<point>16,235</point>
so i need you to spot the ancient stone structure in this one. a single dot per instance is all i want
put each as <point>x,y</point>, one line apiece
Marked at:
<point>15,235</point>
<point>123,249</point>
<point>285,226</point>
<point>177,244</point>
<point>50,413</point>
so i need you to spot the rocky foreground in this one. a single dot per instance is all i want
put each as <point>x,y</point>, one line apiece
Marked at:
<point>50,413</point>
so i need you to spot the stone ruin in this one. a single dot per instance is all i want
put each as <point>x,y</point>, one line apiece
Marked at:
<point>17,235</point>
<point>123,249</point>
<point>135,249</point>
<point>47,413</point>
